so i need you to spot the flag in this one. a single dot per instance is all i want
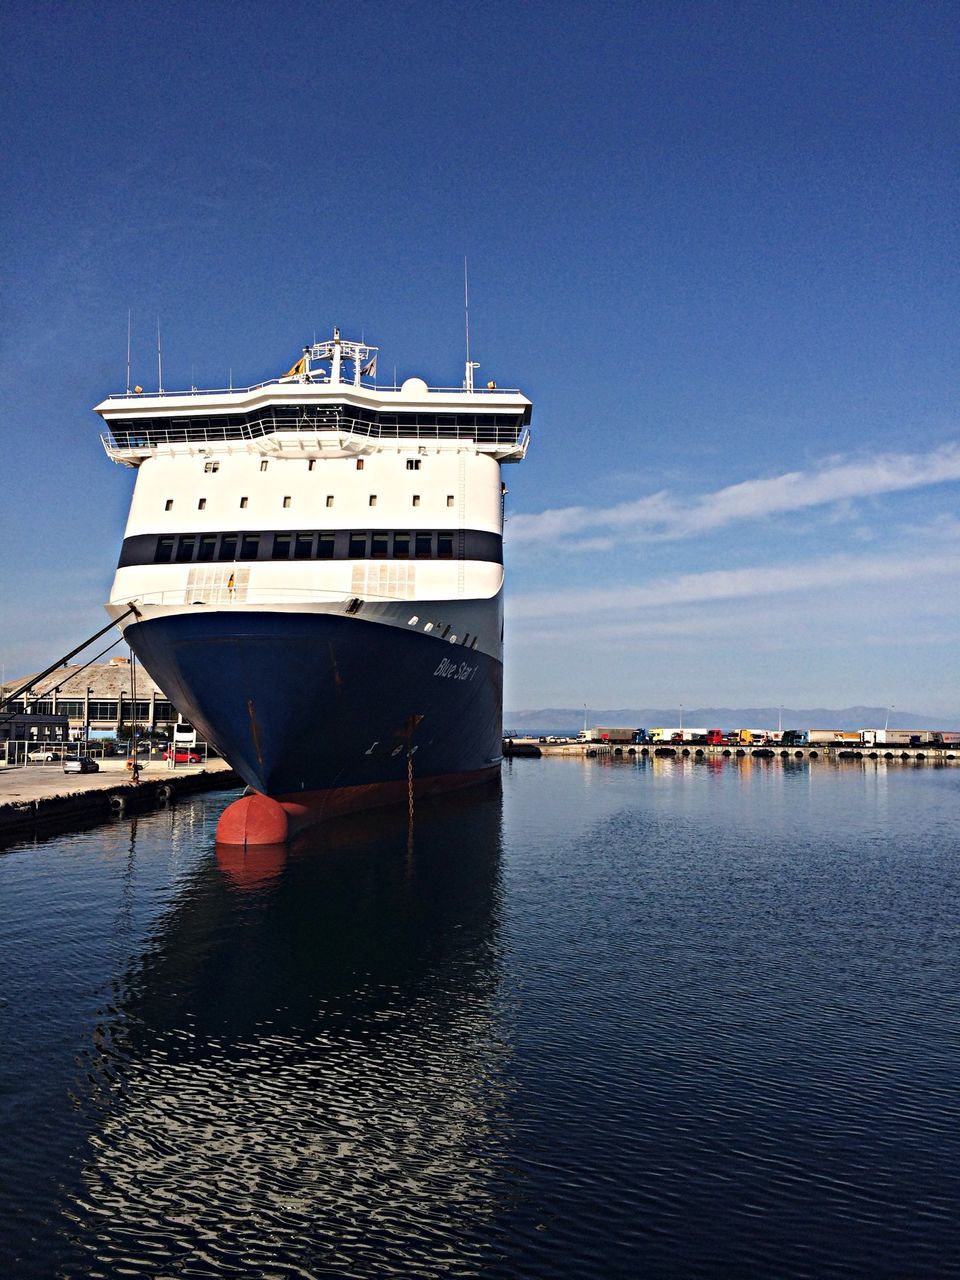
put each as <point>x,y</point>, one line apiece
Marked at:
<point>298,368</point>
<point>370,368</point>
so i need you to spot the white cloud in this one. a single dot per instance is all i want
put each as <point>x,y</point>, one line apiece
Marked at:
<point>575,604</point>
<point>661,516</point>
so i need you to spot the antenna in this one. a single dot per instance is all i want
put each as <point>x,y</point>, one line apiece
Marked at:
<point>159,361</point>
<point>468,380</point>
<point>128,350</point>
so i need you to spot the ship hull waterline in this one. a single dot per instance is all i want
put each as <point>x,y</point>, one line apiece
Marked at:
<point>325,714</point>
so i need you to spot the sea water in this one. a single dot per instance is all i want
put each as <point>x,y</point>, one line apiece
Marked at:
<point>620,1018</point>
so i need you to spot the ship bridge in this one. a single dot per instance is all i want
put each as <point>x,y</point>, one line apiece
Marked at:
<point>327,404</point>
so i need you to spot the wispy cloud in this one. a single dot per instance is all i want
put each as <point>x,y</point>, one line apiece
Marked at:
<point>732,584</point>
<point>663,516</point>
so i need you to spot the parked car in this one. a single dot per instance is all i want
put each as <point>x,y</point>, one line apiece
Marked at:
<point>184,757</point>
<point>44,753</point>
<point>80,764</point>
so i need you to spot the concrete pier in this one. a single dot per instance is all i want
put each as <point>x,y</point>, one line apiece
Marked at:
<point>925,754</point>
<point>42,798</point>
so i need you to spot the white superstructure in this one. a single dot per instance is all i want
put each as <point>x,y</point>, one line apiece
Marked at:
<point>320,491</point>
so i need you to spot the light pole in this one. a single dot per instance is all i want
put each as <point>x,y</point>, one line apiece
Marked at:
<point>886,722</point>
<point>86,724</point>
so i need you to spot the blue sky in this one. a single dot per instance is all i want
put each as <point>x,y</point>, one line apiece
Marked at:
<point>715,243</point>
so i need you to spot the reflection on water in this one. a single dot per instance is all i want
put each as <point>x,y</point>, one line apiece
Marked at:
<point>308,1051</point>
<point>653,1017</point>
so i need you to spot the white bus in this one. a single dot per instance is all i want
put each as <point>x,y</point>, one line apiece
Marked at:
<point>184,735</point>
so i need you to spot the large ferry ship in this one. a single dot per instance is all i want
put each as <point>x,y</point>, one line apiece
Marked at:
<point>312,570</point>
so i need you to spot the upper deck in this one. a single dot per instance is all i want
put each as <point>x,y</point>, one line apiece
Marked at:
<point>314,408</point>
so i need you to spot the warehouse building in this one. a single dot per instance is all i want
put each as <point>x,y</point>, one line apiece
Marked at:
<point>98,700</point>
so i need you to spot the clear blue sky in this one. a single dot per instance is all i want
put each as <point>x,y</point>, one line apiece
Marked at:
<point>715,243</point>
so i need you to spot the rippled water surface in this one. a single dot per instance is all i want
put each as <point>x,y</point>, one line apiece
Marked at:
<point>625,1019</point>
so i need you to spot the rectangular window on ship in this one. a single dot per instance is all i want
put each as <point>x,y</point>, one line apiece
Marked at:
<point>281,546</point>
<point>380,546</point>
<point>207,546</point>
<point>424,546</point>
<point>325,546</point>
<point>303,548</point>
<point>358,546</point>
<point>164,551</point>
<point>228,546</point>
<point>445,546</point>
<point>401,546</point>
<point>250,546</point>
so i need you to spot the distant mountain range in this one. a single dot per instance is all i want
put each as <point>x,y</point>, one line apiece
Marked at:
<point>570,719</point>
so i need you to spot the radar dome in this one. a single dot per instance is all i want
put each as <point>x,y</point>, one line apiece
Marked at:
<point>414,387</point>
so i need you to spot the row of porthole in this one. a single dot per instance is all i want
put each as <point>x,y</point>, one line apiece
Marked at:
<point>445,634</point>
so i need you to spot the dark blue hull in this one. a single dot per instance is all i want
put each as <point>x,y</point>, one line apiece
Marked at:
<point>304,703</point>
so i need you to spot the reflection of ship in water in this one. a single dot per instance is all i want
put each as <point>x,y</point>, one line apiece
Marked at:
<point>305,1073</point>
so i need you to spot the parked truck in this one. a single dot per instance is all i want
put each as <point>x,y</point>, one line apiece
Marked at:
<point>682,733</point>
<point>607,733</point>
<point>836,737</point>
<point>749,737</point>
<point>794,738</point>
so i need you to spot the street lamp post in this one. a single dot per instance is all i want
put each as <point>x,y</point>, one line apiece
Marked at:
<point>86,724</point>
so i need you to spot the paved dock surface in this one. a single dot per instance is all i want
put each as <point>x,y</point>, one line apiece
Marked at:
<point>41,796</point>
<point>29,782</point>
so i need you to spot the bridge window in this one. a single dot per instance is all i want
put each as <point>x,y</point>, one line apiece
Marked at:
<point>282,543</point>
<point>164,551</point>
<point>445,546</point>
<point>185,549</point>
<point>303,547</point>
<point>424,545</point>
<point>228,546</point>
<point>358,546</point>
<point>207,546</point>
<point>380,546</point>
<point>249,546</point>
<point>325,546</point>
<point>401,546</point>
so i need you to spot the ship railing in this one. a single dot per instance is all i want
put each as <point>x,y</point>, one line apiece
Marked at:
<point>221,595</point>
<point>308,380</point>
<point>348,430</point>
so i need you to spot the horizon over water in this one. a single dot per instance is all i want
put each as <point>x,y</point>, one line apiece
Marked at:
<point>647,1017</point>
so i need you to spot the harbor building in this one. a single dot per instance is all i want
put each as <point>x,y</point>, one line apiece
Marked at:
<point>97,701</point>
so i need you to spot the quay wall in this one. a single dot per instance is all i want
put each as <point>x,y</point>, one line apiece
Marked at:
<point>43,804</point>
<point>925,754</point>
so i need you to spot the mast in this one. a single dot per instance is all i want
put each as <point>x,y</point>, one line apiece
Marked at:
<point>471,365</point>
